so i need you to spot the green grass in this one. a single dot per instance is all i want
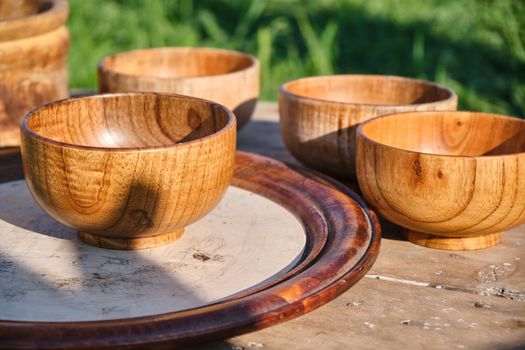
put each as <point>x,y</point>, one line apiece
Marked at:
<point>476,47</point>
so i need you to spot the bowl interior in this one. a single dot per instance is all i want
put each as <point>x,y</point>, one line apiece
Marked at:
<point>11,9</point>
<point>369,90</point>
<point>448,133</point>
<point>177,62</point>
<point>128,120</point>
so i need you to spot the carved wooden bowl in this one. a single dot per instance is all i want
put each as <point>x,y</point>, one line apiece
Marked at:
<point>230,78</point>
<point>455,180</point>
<point>33,49</point>
<point>100,164</point>
<point>319,115</point>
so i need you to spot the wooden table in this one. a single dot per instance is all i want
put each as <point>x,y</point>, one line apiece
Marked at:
<point>413,297</point>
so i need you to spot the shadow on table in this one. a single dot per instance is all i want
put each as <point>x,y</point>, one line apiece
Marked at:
<point>264,138</point>
<point>390,230</point>
<point>518,346</point>
<point>215,345</point>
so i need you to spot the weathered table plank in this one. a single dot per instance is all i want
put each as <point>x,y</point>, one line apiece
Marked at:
<point>378,314</point>
<point>413,297</point>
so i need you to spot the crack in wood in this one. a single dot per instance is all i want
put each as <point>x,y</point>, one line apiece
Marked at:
<point>501,292</point>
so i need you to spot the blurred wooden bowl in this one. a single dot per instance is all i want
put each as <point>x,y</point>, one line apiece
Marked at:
<point>33,51</point>
<point>319,115</point>
<point>227,77</point>
<point>129,171</point>
<point>455,180</point>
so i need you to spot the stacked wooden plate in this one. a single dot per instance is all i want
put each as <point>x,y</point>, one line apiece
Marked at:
<point>280,244</point>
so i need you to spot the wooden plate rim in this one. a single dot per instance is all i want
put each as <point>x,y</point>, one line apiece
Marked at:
<point>346,238</point>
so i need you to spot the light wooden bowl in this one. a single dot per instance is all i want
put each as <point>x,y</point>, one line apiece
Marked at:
<point>319,115</point>
<point>230,78</point>
<point>129,171</point>
<point>455,180</point>
<point>33,50</point>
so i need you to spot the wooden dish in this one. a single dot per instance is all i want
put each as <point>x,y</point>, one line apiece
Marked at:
<point>98,164</point>
<point>455,180</point>
<point>319,115</point>
<point>342,241</point>
<point>230,78</point>
<point>33,50</point>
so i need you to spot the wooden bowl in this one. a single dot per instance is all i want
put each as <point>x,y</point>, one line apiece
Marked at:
<point>319,115</point>
<point>455,180</point>
<point>230,78</point>
<point>129,171</point>
<point>33,50</point>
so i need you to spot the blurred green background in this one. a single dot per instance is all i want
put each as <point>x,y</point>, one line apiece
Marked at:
<point>476,47</point>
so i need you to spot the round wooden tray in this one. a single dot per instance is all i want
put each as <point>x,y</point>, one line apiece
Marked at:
<point>342,242</point>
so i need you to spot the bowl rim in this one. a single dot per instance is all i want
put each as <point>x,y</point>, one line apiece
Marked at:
<point>362,135</point>
<point>24,128</point>
<point>283,90</point>
<point>103,68</point>
<point>35,24</point>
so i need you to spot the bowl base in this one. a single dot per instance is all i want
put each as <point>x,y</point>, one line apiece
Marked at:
<point>129,243</point>
<point>453,243</point>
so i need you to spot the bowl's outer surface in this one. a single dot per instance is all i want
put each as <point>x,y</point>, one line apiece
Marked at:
<point>129,193</point>
<point>238,90</point>
<point>321,133</point>
<point>444,195</point>
<point>33,55</point>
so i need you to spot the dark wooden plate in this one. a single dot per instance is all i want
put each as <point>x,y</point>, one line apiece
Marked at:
<point>342,244</point>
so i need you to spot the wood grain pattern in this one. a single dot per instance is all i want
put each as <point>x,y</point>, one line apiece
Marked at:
<point>454,243</point>
<point>130,243</point>
<point>33,51</point>
<point>98,164</point>
<point>455,178</point>
<point>350,249</point>
<point>319,115</point>
<point>228,77</point>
